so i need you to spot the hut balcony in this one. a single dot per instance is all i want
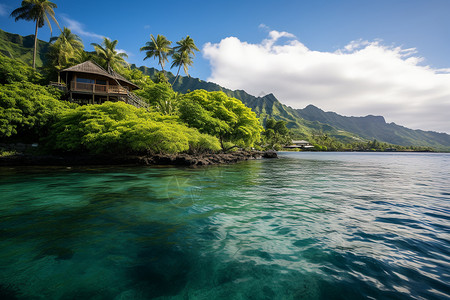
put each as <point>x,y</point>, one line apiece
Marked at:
<point>97,88</point>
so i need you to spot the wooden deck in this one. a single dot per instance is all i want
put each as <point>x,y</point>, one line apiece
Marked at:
<point>97,88</point>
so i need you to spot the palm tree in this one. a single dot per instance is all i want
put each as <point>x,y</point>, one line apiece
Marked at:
<point>37,11</point>
<point>182,55</point>
<point>65,50</point>
<point>181,59</point>
<point>108,54</point>
<point>158,48</point>
<point>84,56</point>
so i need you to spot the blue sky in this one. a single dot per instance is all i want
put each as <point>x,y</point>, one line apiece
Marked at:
<point>337,31</point>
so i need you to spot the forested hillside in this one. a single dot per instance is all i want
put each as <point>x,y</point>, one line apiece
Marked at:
<point>21,48</point>
<point>309,123</point>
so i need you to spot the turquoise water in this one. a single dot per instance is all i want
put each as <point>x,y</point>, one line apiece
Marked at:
<point>305,226</point>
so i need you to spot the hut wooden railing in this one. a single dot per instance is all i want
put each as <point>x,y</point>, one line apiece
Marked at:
<point>60,86</point>
<point>98,88</point>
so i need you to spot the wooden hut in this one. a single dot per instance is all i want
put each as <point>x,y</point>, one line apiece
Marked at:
<point>89,83</point>
<point>299,145</point>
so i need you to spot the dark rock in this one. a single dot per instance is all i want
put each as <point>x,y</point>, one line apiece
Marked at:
<point>182,159</point>
<point>270,154</point>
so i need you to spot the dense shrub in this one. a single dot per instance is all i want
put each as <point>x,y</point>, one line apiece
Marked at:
<point>217,114</point>
<point>12,70</point>
<point>121,128</point>
<point>27,109</point>
<point>160,96</point>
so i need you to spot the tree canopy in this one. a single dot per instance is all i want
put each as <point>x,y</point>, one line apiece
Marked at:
<point>217,114</point>
<point>65,51</point>
<point>12,70</point>
<point>182,55</point>
<point>158,48</point>
<point>28,109</point>
<point>108,55</point>
<point>118,128</point>
<point>276,134</point>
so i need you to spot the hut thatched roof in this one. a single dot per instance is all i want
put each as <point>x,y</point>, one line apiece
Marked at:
<point>90,67</point>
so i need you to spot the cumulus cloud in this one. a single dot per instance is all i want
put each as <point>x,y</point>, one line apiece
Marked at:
<point>124,51</point>
<point>78,28</point>
<point>364,77</point>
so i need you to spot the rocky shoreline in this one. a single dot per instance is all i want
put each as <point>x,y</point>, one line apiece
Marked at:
<point>157,159</point>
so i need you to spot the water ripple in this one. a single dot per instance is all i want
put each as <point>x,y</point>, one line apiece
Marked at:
<point>305,226</point>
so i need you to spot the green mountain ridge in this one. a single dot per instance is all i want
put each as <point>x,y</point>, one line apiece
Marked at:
<point>304,123</point>
<point>21,48</point>
<point>312,120</point>
<point>375,127</point>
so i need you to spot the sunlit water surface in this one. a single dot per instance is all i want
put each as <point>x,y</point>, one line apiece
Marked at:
<point>305,226</point>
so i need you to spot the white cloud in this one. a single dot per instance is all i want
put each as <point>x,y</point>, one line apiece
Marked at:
<point>124,51</point>
<point>365,77</point>
<point>78,28</point>
<point>3,10</point>
<point>264,26</point>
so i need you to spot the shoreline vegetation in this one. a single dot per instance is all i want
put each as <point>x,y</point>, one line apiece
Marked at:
<point>198,127</point>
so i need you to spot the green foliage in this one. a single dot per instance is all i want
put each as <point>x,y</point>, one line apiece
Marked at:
<point>21,48</point>
<point>107,55</point>
<point>276,134</point>
<point>200,142</point>
<point>4,153</point>
<point>117,128</point>
<point>160,77</point>
<point>12,70</point>
<point>304,123</point>
<point>161,97</point>
<point>137,77</point>
<point>65,51</point>
<point>182,55</point>
<point>158,48</point>
<point>27,109</point>
<point>217,114</point>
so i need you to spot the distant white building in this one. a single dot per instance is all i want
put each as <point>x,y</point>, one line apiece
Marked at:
<point>299,145</point>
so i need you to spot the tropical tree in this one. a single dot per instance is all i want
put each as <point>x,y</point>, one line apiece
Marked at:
<point>158,48</point>
<point>108,55</point>
<point>37,11</point>
<point>64,50</point>
<point>161,96</point>
<point>182,55</point>
<point>13,70</point>
<point>276,134</point>
<point>84,56</point>
<point>181,59</point>
<point>27,110</point>
<point>226,118</point>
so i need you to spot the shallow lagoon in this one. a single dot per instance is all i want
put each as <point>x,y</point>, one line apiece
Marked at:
<point>305,226</point>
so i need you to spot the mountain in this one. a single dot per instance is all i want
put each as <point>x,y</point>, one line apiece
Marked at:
<point>312,120</point>
<point>304,123</point>
<point>21,48</point>
<point>375,127</point>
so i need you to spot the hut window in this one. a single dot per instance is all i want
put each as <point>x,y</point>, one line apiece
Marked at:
<point>85,80</point>
<point>102,82</point>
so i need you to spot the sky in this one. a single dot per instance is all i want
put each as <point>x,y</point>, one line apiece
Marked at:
<point>353,57</point>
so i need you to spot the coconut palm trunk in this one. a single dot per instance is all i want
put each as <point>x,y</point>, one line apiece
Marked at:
<point>182,55</point>
<point>178,74</point>
<point>38,11</point>
<point>35,44</point>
